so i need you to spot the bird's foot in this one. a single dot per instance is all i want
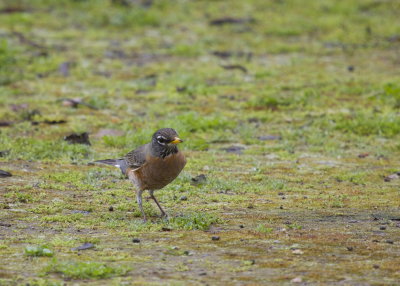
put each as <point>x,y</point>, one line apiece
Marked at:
<point>165,216</point>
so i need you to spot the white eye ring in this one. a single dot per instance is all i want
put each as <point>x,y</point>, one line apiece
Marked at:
<point>161,140</point>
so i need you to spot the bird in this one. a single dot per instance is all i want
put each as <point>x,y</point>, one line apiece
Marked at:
<point>152,166</point>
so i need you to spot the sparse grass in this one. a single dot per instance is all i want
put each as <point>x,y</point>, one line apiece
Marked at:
<point>199,221</point>
<point>32,250</point>
<point>84,269</point>
<point>261,228</point>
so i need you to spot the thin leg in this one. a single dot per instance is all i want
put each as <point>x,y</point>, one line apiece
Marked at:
<point>158,204</point>
<point>139,201</point>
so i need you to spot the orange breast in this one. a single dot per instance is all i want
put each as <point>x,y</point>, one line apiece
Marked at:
<point>156,173</point>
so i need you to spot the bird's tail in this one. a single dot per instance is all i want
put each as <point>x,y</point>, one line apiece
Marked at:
<point>112,162</point>
<point>119,163</point>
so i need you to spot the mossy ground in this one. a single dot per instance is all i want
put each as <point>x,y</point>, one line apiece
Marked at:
<point>310,205</point>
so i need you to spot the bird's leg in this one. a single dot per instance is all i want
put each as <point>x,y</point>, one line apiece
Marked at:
<point>139,201</point>
<point>163,214</point>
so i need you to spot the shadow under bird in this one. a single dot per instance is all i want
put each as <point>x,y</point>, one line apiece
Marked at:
<point>152,166</point>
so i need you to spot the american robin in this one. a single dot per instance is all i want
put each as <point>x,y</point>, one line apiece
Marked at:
<point>152,166</point>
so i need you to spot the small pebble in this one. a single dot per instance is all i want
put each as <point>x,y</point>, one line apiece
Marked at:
<point>85,246</point>
<point>198,180</point>
<point>203,274</point>
<point>281,207</point>
<point>296,280</point>
<point>111,209</point>
<point>350,248</point>
<point>136,240</point>
<point>4,174</point>
<point>241,226</point>
<point>382,227</point>
<point>375,266</point>
<point>297,251</point>
<point>269,137</point>
<point>389,241</point>
<point>184,198</point>
<point>215,238</point>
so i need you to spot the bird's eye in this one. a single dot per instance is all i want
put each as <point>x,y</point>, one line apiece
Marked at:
<point>161,139</point>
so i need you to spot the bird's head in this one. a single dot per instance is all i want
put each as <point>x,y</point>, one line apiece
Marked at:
<point>165,141</point>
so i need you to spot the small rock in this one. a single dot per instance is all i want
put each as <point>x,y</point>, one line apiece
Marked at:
<point>241,226</point>
<point>389,241</point>
<point>298,252</point>
<point>296,280</point>
<point>54,122</point>
<point>4,153</point>
<point>184,198</point>
<point>111,209</point>
<point>281,194</point>
<point>4,174</point>
<point>234,67</point>
<point>181,88</point>
<point>198,180</point>
<point>203,274</point>
<point>84,246</point>
<point>5,123</point>
<point>281,207</point>
<point>234,149</point>
<point>376,266</point>
<point>350,68</point>
<point>78,138</point>
<point>215,238</point>
<point>80,212</point>
<point>382,227</point>
<point>64,69</point>
<point>350,248</point>
<point>269,137</point>
<point>363,155</point>
<point>392,177</point>
<point>166,229</point>
<point>136,240</point>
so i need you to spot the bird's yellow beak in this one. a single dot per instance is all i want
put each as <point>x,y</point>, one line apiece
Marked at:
<point>176,140</point>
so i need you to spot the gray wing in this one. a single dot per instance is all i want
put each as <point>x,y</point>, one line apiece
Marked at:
<point>136,158</point>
